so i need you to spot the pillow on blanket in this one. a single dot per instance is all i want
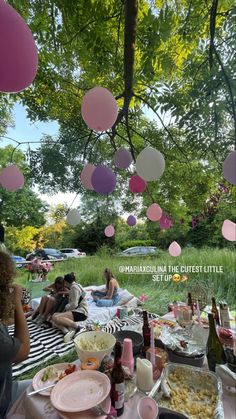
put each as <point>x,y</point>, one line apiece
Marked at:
<point>134,302</point>
<point>125,297</point>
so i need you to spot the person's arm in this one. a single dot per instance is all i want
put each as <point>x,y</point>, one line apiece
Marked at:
<point>21,328</point>
<point>75,294</point>
<point>66,292</point>
<point>49,288</point>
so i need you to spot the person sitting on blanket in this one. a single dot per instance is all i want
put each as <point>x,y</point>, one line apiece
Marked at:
<point>75,311</point>
<point>12,349</point>
<point>109,297</point>
<point>54,302</point>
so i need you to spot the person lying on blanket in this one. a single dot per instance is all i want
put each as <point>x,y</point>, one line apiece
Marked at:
<point>54,302</point>
<point>109,297</point>
<point>12,349</point>
<point>75,311</point>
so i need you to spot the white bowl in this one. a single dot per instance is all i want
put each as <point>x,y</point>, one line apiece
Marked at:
<point>107,338</point>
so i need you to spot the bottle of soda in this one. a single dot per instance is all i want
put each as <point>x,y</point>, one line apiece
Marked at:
<point>215,311</point>
<point>215,351</point>
<point>146,333</point>
<point>118,381</point>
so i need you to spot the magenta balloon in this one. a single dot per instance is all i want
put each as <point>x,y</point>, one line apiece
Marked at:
<point>131,220</point>
<point>11,178</point>
<point>109,231</point>
<point>18,52</point>
<point>229,230</point>
<point>174,249</point>
<point>137,184</point>
<point>154,212</point>
<point>123,158</point>
<point>86,176</point>
<point>229,168</point>
<point>165,222</point>
<point>103,180</point>
<point>99,109</point>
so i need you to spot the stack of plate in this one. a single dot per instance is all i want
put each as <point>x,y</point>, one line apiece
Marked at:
<point>75,396</point>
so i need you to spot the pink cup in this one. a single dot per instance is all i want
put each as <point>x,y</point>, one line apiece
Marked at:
<point>127,358</point>
<point>147,408</point>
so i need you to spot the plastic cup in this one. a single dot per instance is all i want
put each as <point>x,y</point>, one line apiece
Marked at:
<point>127,358</point>
<point>147,408</point>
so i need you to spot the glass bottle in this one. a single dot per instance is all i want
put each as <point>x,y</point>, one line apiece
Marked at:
<point>190,303</point>
<point>118,381</point>
<point>215,311</point>
<point>214,350</point>
<point>146,333</point>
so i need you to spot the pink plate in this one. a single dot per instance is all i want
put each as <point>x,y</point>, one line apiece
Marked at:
<point>80,391</point>
<point>37,382</point>
<point>88,414</point>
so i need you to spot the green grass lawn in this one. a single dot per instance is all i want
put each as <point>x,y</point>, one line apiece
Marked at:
<point>89,272</point>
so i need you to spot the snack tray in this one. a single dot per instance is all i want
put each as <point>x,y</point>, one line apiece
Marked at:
<point>194,374</point>
<point>171,339</point>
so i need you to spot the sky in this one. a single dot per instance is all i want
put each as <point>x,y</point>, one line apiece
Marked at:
<point>25,130</point>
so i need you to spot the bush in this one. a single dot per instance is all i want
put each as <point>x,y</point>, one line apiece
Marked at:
<point>134,243</point>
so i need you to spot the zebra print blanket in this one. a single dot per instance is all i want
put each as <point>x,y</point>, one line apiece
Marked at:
<point>46,344</point>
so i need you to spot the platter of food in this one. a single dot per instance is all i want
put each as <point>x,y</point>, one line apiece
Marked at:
<point>50,375</point>
<point>191,391</point>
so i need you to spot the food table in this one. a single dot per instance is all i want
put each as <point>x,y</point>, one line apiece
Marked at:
<point>38,406</point>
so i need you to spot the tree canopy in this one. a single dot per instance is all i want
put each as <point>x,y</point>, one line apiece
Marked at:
<point>171,67</point>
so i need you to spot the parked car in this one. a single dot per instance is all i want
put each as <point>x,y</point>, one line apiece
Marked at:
<point>46,254</point>
<point>18,261</point>
<point>139,251</point>
<point>73,253</point>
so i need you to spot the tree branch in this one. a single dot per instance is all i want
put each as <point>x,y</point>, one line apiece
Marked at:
<point>213,12</point>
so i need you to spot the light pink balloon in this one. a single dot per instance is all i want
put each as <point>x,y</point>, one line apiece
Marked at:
<point>109,231</point>
<point>137,184</point>
<point>174,249</point>
<point>154,212</point>
<point>229,230</point>
<point>86,175</point>
<point>11,178</point>
<point>99,109</point>
<point>18,52</point>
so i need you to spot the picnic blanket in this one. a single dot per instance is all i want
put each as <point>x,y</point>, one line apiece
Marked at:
<point>46,344</point>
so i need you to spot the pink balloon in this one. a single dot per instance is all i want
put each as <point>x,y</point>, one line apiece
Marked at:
<point>229,167</point>
<point>165,222</point>
<point>137,184</point>
<point>122,158</point>
<point>174,249</point>
<point>109,231</point>
<point>11,178</point>
<point>86,175</point>
<point>229,230</point>
<point>18,52</point>
<point>154,212</point>
<point>99,109</point>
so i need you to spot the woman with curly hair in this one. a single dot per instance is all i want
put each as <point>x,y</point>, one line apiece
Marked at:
<point>16,348</point>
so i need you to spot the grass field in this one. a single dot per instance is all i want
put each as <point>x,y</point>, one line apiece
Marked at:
<point>220,284</point>
<point>89,271</point>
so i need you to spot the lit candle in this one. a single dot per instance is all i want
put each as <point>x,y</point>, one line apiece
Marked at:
<point>144,377</point>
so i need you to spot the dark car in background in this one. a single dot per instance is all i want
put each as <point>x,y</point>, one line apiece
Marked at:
<point>46,254</point>
<point>139,251</point>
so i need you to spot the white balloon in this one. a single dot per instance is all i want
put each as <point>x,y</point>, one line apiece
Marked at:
<point>73,217</point>
<point>150,164</point>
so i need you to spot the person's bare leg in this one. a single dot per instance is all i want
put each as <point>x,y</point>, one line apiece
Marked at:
<point>49,305</point>
<point>64,319</point>
<point>42,304</point>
